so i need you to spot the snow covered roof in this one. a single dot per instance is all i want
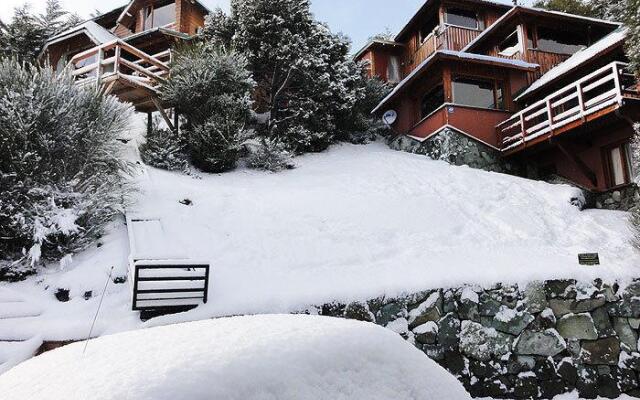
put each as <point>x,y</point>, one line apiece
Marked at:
<point>95,32</point>
<point>288,357</point>
<point>375,42</point>
<point>534,11</point>
<point>455,55</point>
<point>610,41</point>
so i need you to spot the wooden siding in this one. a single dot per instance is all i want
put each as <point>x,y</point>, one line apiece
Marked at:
<point>545,59</point>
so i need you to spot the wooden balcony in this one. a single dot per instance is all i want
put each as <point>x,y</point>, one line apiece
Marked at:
<point>124,71</point>
<point>449,38</point>
<point>590,98</point>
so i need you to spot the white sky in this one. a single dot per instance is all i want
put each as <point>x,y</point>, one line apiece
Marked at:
<point>358,19</point>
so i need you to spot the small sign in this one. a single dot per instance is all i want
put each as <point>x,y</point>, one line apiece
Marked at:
<point>451,110</point>
<point>589,259</point>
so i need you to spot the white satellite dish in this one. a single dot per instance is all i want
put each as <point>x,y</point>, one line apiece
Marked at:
<point>390,117</point>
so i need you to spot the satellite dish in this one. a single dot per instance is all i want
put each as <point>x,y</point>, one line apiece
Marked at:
<point>390,117</point>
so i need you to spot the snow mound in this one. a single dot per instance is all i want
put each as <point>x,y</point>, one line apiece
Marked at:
<point>262,357</point>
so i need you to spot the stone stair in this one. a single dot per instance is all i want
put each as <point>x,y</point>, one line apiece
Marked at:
<point>16,345</point>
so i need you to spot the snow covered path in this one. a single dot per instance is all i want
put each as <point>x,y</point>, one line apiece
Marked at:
<point>352,223</point>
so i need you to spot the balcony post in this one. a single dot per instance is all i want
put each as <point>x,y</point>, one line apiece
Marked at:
<point>616,79</point>
<point>550,114</point>
<point>100,57</point>
<point>523,129</point>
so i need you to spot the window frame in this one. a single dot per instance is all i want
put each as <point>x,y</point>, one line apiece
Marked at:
<point>627,165</point>
<point>498,87</point>
<point>151,9</point>
<point>445,18</point>
<point>431,92</point>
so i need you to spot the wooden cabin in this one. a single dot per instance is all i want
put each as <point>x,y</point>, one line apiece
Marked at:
<point>547,90</point>
<point>127,51</point>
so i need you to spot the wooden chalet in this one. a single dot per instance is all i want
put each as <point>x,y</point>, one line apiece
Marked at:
<point>545,89</point>
<point>127,51</point>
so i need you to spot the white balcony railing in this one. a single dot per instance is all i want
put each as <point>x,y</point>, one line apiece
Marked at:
<point>578,101</point>
<point>119,60</point>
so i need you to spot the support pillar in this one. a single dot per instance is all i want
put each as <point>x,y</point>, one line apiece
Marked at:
<point>149,123</point>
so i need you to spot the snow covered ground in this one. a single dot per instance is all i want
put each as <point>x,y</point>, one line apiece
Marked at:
<point>352,223</point>
<point>250,358</point>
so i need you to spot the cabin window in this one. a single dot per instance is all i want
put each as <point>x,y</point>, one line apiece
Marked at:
<point>561,42</point>
<point>428,28</point>
<point>431,101</point>
<point>510,46</point>
<point>158,16</point>
<point>393,70</point>
<point>476,92</point>
<point>462,17</point>
<point>620,172</point>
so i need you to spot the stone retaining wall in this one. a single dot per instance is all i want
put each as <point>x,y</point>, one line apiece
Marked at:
<point>536,341</point>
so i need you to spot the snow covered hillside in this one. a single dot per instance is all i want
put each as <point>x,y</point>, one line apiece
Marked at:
<point>352,223</point>
<point>249,358</point>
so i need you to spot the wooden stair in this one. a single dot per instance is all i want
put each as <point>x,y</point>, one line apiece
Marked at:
<point>16,345</point>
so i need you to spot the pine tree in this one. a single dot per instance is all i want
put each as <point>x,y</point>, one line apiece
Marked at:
<point>164,149</point>
<point>577,7</point>
<point>300,67</point>
<point>24,36</point>
<point>211,88</point>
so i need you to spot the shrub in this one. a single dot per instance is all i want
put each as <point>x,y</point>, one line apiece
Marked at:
<point>164,149</point>
<point>62,176</point>
<point>269,155</point>
<point>211,88</point>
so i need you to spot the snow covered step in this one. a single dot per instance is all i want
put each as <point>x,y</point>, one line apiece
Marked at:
<point>13,353</point>
<point>18,310</point>
<point>14,329</point>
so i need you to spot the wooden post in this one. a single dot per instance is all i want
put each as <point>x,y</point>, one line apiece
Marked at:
<point>100,56</point>
<point>162,112</point>
<point>149,123</point>
<point>176,120</point>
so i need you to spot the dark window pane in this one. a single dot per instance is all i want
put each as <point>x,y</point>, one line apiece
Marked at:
<point>562,42</point>
<point>428,27</point>
<point>460,17</point>
<point>432,101</point>
<point>530,36</point>
<point>164,15</point>
<point>475,92</point>
<point>510,46</point>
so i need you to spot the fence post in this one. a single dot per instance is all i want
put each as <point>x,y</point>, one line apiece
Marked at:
<point>100,57</point>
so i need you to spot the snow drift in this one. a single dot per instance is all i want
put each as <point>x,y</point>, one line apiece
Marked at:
<point>264,357</point>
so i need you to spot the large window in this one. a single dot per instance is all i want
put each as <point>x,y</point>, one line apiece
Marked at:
<point>476,92</point>
<point>393,69</point>
<point>510,46</point>
<point>432,101</point>
<point>428,27</point>
<point>462,17</point>
<point>557,41</point>
<point>620,172</point>
<point>154,16</point>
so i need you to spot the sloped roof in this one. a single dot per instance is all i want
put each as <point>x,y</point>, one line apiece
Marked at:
<point>94,32</point>
<point>605,44</point>
<point>454,55</point>
<point>503,20</point>
<point>417,16</point>
<point>376,42</point>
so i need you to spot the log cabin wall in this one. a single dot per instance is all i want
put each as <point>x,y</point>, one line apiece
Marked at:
<point>190,18</point>
<point>447,36</point>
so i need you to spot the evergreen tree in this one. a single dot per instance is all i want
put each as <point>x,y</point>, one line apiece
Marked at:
<point>62,175</point>
<point>24,36</point>
<point>164,149</point>
<point>302,70</point>
<point>577,7</point>
<point>211,88</point>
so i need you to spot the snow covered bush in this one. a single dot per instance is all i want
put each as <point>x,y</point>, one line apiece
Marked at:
<point>268,155</point>
<point>62,177</point>
<point>305,78</point>
<point>164,149</point>
<point>211,88</point>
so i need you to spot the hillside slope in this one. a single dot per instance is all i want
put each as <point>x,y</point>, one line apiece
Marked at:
<point>352,223</point>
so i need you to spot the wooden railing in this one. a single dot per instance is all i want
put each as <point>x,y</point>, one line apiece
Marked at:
<point>595,92</point>
<point>119,60</point>
<point>449,38</point>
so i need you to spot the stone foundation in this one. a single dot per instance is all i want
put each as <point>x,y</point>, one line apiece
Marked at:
<point>455,148</point>
<point>534,342</point>
<point>620,199</point>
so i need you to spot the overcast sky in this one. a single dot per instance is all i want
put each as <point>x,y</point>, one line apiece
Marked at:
<point>358,19</point>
